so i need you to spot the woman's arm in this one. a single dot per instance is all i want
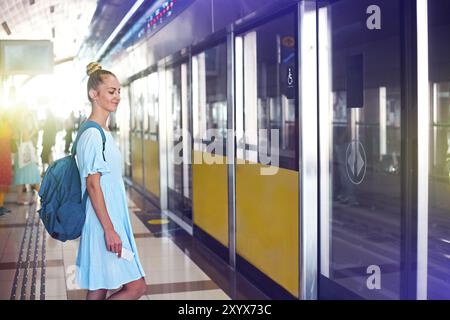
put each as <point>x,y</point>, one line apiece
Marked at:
<point>113,241</point>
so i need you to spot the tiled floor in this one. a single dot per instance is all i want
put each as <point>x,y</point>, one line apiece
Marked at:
<point>170,273</point>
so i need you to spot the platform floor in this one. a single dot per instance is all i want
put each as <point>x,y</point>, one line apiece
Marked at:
<point>33,266</point>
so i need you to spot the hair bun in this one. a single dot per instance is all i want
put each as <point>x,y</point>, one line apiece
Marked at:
<point>92,67</point>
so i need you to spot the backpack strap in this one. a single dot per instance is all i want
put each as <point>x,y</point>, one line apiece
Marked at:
<point>83,127</point>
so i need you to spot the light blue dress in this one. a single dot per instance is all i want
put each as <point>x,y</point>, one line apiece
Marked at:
<point>98,268</point>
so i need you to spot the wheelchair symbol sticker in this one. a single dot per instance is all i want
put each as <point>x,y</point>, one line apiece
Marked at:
<point>290,77</point>
<point>356,162</point>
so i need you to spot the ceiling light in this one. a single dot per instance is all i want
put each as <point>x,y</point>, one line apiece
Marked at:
<point>125,19</point>
<point>6,28</point>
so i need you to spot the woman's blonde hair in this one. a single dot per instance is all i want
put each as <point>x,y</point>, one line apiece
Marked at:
<point>95,72</point>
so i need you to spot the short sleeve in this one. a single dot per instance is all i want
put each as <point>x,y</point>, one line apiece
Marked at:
<point>89,154</point>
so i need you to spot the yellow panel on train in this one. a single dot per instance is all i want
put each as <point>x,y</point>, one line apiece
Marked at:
<point>210,192</point>
<point>267,222</point>
<point>136,160</point>
<point>152,167</point>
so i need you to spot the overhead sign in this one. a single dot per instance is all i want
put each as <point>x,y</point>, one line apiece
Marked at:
<point>28,57</point>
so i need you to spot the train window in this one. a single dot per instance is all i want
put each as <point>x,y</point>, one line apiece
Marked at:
<point>123,121</point>
<point>173,80</point>
<point>145,105</point>
<point>266,109</point>
<point>209,73</point>
<point>133,107</point>
<point>360,155</point>
<point>179,141</point>
<point>153,112</point>
<point>138,93</point>
<point>435,282</point>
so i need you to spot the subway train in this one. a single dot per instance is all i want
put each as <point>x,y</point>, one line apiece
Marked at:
<point>305,143</point>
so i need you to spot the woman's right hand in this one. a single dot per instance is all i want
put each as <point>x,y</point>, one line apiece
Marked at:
<point>113,242</point>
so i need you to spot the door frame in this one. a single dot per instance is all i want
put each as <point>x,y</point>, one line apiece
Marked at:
<point>327,289</point>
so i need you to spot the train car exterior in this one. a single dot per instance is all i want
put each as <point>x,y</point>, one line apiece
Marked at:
<point>305,142</point>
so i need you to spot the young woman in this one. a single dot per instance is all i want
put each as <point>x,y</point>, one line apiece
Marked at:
<point>107,228</point>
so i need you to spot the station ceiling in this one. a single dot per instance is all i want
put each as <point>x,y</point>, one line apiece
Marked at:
<point>74,26</point>
<point>63,22</point>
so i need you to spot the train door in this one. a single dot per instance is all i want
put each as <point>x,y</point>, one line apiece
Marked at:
<point>179,167</point>
<point>434,225</point>
<point>137,93</point>
<point>267,151</point>
<point>364,244</point>
<point>151,137</point>
<point>209,171</point>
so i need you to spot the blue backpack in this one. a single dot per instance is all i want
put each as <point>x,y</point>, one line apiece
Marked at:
<point>63,208</point>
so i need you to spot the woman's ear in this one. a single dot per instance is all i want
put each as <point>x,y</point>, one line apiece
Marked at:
<point>93,94</point>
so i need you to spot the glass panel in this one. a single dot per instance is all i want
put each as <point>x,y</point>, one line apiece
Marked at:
<point>123,117</point>
<point>146,106</point>
<point>267,56</point>
<point>138,93</point>
<point>153,112</point>
<point>137,102</point>
<point>132,108</point>
<point>151,138</point>
<point>360,103</point>
<point>179,142</point>
<point>267,212</point>
<point>438,282</point>
<point>210,99</point>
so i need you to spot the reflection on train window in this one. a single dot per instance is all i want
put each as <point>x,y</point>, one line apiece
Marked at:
<point>173,78</point>
<point>439,186</point>
<point>145,107</point>
<point>123,121</point>
<point>209,97</point>
<point>138,93</point>
<point>361,199</point>
<point>440,133</point>
<point>132,108</point>
<point>153,111</point>
<point>266,109</point>
<point>438,284</point>
<point>179,142</point>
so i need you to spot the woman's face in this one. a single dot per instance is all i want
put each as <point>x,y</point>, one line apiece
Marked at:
<point>107,95</point>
